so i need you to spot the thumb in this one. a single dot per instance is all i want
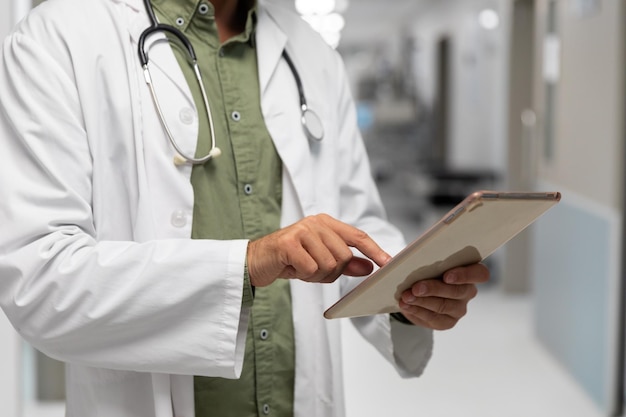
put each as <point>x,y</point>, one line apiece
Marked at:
<point>358,267</point>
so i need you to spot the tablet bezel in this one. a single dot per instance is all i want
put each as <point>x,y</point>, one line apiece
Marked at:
<point>481,223</point>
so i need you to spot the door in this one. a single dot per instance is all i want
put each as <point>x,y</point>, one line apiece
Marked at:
<point>577,249</point>
<point>521,138</point>
<point>441,111</point>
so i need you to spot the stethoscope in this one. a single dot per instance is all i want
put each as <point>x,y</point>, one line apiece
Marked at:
<point>310,121</point>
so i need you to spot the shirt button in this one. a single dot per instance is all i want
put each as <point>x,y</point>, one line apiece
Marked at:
<point>179,218</point>
<point>236,116</point>
<point>221,52</point>
<point>264,334</point>
<point>203,8</point>
<point>247,189</point>
<point>186,116</point>
<point>266,409</point>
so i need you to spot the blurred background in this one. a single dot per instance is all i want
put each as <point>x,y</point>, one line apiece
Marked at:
<point>455,96</point>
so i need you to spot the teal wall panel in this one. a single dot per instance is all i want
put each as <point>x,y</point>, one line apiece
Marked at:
<point>573,293</point>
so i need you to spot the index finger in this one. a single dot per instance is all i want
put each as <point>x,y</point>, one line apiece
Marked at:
<point>358,239</point>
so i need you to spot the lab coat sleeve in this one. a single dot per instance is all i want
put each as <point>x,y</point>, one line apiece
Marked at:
<point>408,348</point>
<point>167,306</point>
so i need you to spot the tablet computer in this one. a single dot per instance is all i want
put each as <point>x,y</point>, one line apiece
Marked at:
<point>467,234</point>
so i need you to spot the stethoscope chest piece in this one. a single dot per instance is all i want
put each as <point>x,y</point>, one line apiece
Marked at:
<point>312,125</point>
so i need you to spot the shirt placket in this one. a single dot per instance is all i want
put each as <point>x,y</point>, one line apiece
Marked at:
<point>245,151</point>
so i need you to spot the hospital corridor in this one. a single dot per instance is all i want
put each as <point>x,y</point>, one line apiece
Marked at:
<point>452,97</point>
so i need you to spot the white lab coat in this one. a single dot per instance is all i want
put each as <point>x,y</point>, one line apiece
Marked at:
<point>96,265</point>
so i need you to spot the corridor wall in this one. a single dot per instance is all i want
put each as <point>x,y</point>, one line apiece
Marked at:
<point>578,247</point>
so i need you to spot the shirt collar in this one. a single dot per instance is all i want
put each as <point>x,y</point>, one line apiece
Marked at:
<point>186,9</point>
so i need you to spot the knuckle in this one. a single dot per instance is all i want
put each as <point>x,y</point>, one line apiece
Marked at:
<point>472,291</point>
<point>442,308</point>
<point>289,241</point>
<point>463,310</point>
<point>463,292</point>
<point>328,266</point>
<point>457,311</point>
<point>317,219</point>
<point>345,255</point>
<point>300,227</point>
<point>413,311</point>
<point>459,291</point>
<point>309,270</point>
<point>361,235</point>
<point>322,216</point>
<point>429,316</point>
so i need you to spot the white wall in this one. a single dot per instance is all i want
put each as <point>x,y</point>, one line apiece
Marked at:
<point>589,137</point>
<point>10,365</point>
<point>478,110</point>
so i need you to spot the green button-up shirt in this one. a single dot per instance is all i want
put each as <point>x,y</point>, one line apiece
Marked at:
<point>237,195</point>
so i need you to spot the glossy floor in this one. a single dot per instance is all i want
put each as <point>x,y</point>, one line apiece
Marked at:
<point>490,365</point>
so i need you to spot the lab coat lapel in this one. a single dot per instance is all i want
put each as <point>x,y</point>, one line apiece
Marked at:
<point>280,105</point>
<point>270,41</point>
<point>281,110</point>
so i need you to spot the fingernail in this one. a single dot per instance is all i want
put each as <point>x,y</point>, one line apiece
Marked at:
<point>409,299</point>
<point>420,290</point>
<point>450,278</point>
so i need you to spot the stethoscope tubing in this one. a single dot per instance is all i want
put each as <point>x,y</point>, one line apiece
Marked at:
<point>310,121</point>
<point>305,111</point>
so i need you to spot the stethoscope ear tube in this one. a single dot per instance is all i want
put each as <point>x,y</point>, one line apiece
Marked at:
<point>311,123</point>
<point>143,56</point>
<point>180,157</point>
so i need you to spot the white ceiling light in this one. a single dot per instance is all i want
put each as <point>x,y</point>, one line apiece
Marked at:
<point>309,7</point>
<point>333,22</point>
<point>341,6</point>
<point>324,16</point>
<point>329,26</point>
<point>489,19</point>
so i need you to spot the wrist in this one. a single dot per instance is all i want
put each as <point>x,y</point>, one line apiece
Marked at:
<point>400,318</point>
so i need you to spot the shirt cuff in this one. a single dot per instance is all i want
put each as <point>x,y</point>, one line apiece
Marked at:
<point>248,290</point>
<point>401,318</point>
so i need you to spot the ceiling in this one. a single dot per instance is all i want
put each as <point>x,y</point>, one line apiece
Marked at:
<point>371,21</point>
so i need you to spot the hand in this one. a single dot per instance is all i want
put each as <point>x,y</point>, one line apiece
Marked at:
<point>440,303</point>
<point>315,249</point>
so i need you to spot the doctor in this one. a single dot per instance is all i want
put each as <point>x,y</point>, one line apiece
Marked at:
<point>176,242</point>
